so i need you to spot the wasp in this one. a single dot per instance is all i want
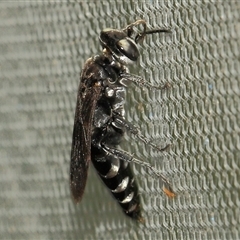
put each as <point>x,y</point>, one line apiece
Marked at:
<point>100,123</point>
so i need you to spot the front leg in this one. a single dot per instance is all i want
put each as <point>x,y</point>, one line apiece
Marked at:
<point>125,78</point>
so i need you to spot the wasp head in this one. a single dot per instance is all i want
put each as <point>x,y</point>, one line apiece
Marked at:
<point>123,48</point>
<point>122,44</point>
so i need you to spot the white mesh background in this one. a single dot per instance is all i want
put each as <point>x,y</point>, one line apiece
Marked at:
<point>44,44</point>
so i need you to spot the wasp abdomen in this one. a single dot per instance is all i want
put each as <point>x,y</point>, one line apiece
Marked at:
<point>117,176</point>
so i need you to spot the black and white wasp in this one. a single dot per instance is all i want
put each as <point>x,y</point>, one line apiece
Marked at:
<point>100,121</point>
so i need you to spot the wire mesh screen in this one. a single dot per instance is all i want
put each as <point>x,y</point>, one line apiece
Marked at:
<point>43,46</point>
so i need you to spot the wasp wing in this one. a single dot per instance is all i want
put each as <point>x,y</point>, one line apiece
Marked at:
<point>88,94</point>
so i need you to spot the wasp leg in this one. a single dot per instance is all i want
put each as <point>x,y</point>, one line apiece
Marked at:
<point>125,78</point>
<point>122,123</point>
<point>125,156</point>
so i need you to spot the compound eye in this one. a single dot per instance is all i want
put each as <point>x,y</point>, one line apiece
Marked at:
<point>128,48</point>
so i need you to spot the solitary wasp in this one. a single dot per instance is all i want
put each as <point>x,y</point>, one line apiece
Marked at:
<point>100,121</point>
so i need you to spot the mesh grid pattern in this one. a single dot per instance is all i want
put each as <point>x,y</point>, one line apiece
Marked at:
<point>44,44</point>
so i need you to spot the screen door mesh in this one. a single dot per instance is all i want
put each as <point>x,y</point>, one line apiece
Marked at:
<point>43,46</point>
